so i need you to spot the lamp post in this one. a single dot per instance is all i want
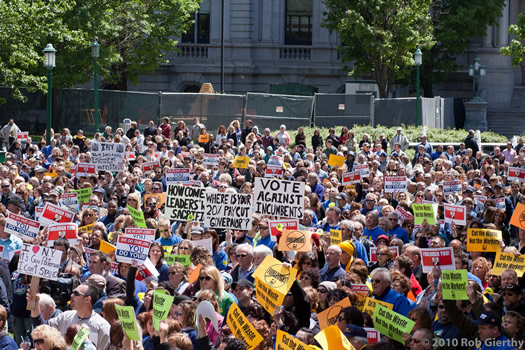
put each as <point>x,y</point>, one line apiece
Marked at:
<point>95,52</point>
<point>418,59</point>
<point>49,54</point>
<point>476,71</point>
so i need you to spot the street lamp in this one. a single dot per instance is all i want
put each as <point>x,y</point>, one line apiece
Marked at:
<point>418,58</point>
<point>95,52</point>
<point>476,71</point>
<point>49,54</point>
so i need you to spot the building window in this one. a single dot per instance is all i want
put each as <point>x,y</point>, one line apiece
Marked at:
<point>298,22</point>
<point>199,32</point>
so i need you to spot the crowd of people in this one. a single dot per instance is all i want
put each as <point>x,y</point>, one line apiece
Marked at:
<point>93,285</point>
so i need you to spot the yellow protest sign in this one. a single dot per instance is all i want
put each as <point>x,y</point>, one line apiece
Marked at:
<point>274,274</point>
<point>269,298</point>
<point>106,247</point>
<point>329,316</point>
<point>204,138</point>
<point>336,237</point>
<point>518,217</point>
<point>332,338</point>
<point>392,324</point>
<point>483,240</point>
<point>370,305</point>
<point>241,162</point>
<point>86,228</point>
<point>336,160</point>
<point>241,328</point>
<point>294,240</point>
<point>285,341</point>
<point>505,261</point>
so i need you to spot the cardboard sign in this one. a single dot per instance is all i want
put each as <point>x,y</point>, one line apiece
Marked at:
<point>505,261</point>
<point>395,184</point>
<point>516,174</point>
<point>373,335</point>
<point>160,197</point>
<point>177,176</point>
<point>85,169</point>
<point>204,139</point>
<point>274,171</point>
<point>353,177</point>
<point>70,200</point>
<point>241,162</point>
<point>454,285</point>
<point>363,169</point>
<point>39,261</point>
<point>373,250</point>
<point>150,166</point>
<point>242,328</point>
<point>22,227</point>
<point>22,136</point>
<point>138,216</point>
<point>442,257</point>
<point>211,159</point>
<point>126,316</point>
<point>108,156</point>
<point>161,306</point>
<point>518,217</point>
<point>483,240</point>
<point>455,214</point>
<point>329,316</point>
<point>279,198</point>
<point>129,249</point>
<point>285,341</point>
<point>80,338</point>
<point>424,212</point>
<point>183,259</point>
<point>295,240</point>
<point>336,237</point>
<point>335,160</point>
<point>144,234</point>
<point>278,226</point>
<point>371,304</point>
<point>392,324</point>
<point>185,203</point>
<point>52,214</point>
<point>83,194</point>
<point>68,231</point>
<point>451,187</point>
<point>228,210</point>
<point>332,338</point>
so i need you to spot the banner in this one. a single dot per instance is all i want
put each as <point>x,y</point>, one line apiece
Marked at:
<point>242,328</point>
<point>363,169</point>
<point>373,250</point>
<point>183,259</point>
<point>126,316</point>
<point>516,174</point>
<point>392,324</point>
<point>277,226</point>
<point>329,316</point>
<point>228,210</point>
<point>371,305</point>
<point>483,240</point>
<point>335,160</point>
<point>518,217</point>
<point>279,197</point>
<point>211,159</point>
<point>336,236</point>
<point>67,231</point>
<point>454,285</point>
<point>395,183</point>
<point>70,200</point>
<point>185,203</point>
<point>442,257</point>
<point>161,306</point>
<point>177,175</point>
<point>52,214</point>
<point>455,214</point>
<point>22,227</point>
<point>295,240</point>
<point>138,216</point>
<point>85,169</point>
<point>424,211</point>
<point>83,194</point>
<point>505,261</point>
<point>451,187</point>
<point>241,162</point>
<point>353,177</point>
<point>150,166</point>
<point>107,156</point>
<point>144,234</point>
<point>129,249</point>
<point>285,341</point>
<point>39,261</point>
<point>332,338</point>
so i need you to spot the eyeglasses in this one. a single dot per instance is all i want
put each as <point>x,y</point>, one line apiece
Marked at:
<point>156,188</point>
<point>241,256</point>
<point>322,291</point>
<point>377,281</point>
<point>207,278</point>
<point>392,219</point>
<point>38,341</point>
<point>151,204</point>
<point>263,227</point>
<point>410,226</point>
<point>77,293</point>
<point>5,186</point>
<point>380,254</point>
<point>173,272</point>
<point>88,215</point>
<point>441,306</point>
<point>178,313</point>
<point>419,196</point>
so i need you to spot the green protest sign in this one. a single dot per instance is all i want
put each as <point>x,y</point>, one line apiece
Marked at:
<point>183,259</point>
<point>392,324</point>
<point>424,211</point>
<point>454,284</point>
<point>83,194</point>
<point>80,338</point>
<point>138,217</point>
<point>161,307</point>
<point>126,316</point>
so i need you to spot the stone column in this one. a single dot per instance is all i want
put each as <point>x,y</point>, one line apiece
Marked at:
<point>503,26</point>
<point>487,40</point>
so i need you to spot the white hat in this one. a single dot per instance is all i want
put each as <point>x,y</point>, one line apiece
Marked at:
<point>399,128</point>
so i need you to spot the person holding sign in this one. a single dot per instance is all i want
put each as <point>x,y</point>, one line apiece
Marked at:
<point>381,289</point>
<point>210,278</point>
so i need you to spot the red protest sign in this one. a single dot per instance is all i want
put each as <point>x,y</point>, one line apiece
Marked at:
<point>52,214</point>
<point>86,169</point>
<point>393,249</point>
<point>277,226</point>
<point>442,257</point>
<point>150,166</point>
<point>455,214</point>
<point>353,177</point>
<point>516,174</point>
<point>67,231</point>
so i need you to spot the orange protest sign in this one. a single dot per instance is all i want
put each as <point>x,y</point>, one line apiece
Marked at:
<point>204,138</point>
<point>329,316</point>
<point>332,338</point>
<point>161,198</point>
<point>106,247</point>
<point>336,160</point>
<point>195,274</point>
<point>295,240</point>
<point>518,218</point>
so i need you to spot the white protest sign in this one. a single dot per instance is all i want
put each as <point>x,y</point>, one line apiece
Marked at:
<point>276,161</point>
<point>68,231</point>
<point>130,156</point>
<point>85,169</point>
<point>147,271</point>
<point>211,159</point>
<point>38,213</point>
<point>273,171</point>
<point>206,243</point>
<point>228,210</point>
<point>363,169</point>
<point>500,203</point>
<point>479,198</point>
<point>51,214</point>
<point>185,203</point>
<point>516,174</point>
<point>395,183</point>
<point>177,175</point>
<point>403,214</point>
<point>442,257</point>
<point>451,187</point>
<point>21,226</point>
<point>129,249</point>
<point>206,310</point>
<point>39,261</point>
<point>353,177</point>
<point>455,214</point>
<point>144,234</point>
<point>108,156</point>
<point>150,166</point>
<point>279,197</point>
<point>70,200</point>
<point>22,136</point>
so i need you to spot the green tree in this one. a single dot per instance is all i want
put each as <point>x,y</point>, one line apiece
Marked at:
<point>516,49</point>
<point>380,36</point>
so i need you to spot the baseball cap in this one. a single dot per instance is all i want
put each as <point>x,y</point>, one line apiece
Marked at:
<point>40,169</point>
<point>489,318</point>
<point>197,230</point>
<point>180,298</point>
<point>342,195</point>
<point>227,277</point>
<point>18,201</point>
<point>100,190</point>
<point>328,285</point>
<point>354,331</point>
<point>513,287</point>
<point>498,185</point>
<point>242,283</point>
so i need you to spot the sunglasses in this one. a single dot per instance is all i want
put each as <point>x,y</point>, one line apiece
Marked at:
<point>173,272</point>
<point>323,291</point>
<point>263,227</point>
<point>241,256</point>
<point>380,254</point>
<point>377,281</point>
<point>178,313</point>
<point>77,293</point>
<point>5,186</point>
<point>207,278</point>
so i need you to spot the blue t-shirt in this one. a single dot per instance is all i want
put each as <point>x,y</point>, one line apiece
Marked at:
<point>166,242</point>
<point>373,234</point>
<point>400,233</point>
<point>220,259</point>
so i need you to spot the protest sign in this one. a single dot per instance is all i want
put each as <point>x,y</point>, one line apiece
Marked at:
<point>373,250</point>
<point>148,272</point>
<point>518,217</point>
<point>274,171</point>
<point>336,236</point>
<point>371,305</point>
<point>22,136</point>
<point>285,341</point>
<point>83,194</point>
<point>242,328</point>
<point>106,247</point>
<point>203,138</point>
<point>22,227</point>
<point>130,156</point>
<point>403,214</point>
<point>424,212</point>
<point>39,261</point>
<point>70,200</point>
<point>184,201</point>
<point>211,159</point>
<point>479,198</point>
<point>483,240</point>
<point>148,167</point>
<point>392,324</point>
<point>52,214</point>
<point>144,234</point>
<point>194,276</point>
<point>206,243</point>
<point>80,338</point>
<point>361,289</point>
<point>138,216</point>
<point>85,169</point>
<point>177,175</point>
<point>126,316</point>
<point>372,335</point>
<point>505,261</point>
<point>516,174</point>
<point>107,156</point>
<point>442,257</point>
<point>500,203</point>
<point>241,162</point>
<point>183,259</point>
<point>129,249</point>
<point>363,169</point>
<point>160,197</point>
<point>451,187</point>
<point>228,210</point>
<point>86,228</point>
<point>332,338</point>
<point>277,226</point>
<point>279,197</point>
<point>275,160</point>
<point>329,316</point>
<point>68,231</point>
<point>395,183</point>
<point>295,240</point>
<point>335,160</point>
<point>454,285</point>
<point>353,177</point>
<point>161,306</point>
<point>207,311</point>
<point>455,214</point>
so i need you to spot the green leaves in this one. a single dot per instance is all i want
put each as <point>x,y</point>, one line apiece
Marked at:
<point>516,49</point>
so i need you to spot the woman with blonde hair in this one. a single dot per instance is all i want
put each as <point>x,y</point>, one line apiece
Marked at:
<point>48,338</point>
<point>134,200</point>
<point>481,268</point>
<point>210,278</point>
<point>89,216</point>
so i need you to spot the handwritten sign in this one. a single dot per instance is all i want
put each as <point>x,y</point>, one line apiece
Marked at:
<point>228,210</point>
<point>242,328</point>
<point>241,162</point>
<point>392,324</point>
<point>454,285</point>
<point>329,316</point>
<point>68,231</point>
<point>83,194</point>
<point>129,249</point>
<point>183,201</point>
<point>108,156</point>
<point>336,236</point>
<point>39,261</point>
<point>183,259</point>
<point>52,214</point>
<point>295,240</point>
<point>279,197</point>
<point>442,257</point>
<point>483,240</point>
<point>505,261</point>
<point>21,226</point>
<point>126,316</point>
